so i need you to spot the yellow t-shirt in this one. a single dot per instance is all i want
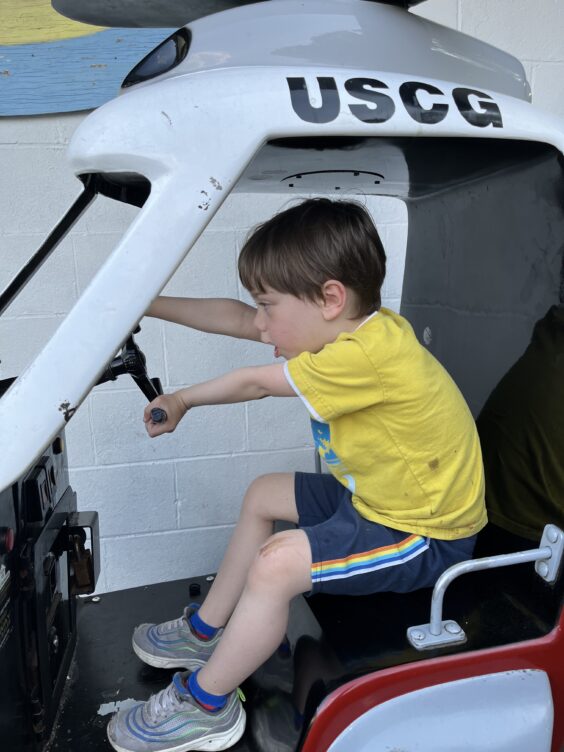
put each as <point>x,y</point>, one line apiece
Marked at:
<point>392,426</point>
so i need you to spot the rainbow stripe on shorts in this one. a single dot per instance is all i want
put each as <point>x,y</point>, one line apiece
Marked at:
<point>369,561</point>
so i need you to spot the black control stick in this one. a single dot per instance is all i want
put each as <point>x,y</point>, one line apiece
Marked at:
<point>132,361</point>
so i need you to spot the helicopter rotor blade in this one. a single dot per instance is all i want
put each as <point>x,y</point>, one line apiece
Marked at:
<point>155,13</point>
<point>142,13</point>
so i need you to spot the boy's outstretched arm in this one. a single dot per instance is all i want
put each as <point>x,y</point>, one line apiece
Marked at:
<point>215,315</point>
<point>241,385</point>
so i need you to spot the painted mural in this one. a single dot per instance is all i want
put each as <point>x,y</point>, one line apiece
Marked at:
<point>50,64</point>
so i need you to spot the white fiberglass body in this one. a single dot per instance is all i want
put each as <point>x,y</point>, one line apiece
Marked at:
<point>277,70</point>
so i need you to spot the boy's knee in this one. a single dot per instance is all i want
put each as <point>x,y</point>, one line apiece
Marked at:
<point>277,549</point>
<point>281,562</point>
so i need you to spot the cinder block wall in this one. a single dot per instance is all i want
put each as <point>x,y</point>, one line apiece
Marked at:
<point>167,506</point>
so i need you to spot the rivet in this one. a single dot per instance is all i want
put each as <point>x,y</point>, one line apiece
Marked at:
<point>552,534</point>
<point>417,634</point>
<point>452,627</point>
<point>96,599</point>
<point>210,578</point>
<point>542,568</point>
<point>427,335</point>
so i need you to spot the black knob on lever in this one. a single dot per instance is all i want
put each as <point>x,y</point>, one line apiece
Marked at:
<point>158,415</point>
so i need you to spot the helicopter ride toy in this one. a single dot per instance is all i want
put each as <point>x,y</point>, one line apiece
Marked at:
<point>318,97</point>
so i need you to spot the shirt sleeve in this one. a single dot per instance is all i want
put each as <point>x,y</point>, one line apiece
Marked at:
<point>339,379</point>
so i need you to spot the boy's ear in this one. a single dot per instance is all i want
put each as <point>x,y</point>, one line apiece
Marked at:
<point>334,299</point>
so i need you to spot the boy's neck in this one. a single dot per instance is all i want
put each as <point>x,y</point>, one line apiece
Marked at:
<point>345,324</point>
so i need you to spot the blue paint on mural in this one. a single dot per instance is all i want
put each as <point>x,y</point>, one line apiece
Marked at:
<point>71,74</point>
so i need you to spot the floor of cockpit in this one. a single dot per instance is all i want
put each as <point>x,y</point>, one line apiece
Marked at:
<point>330,640</point>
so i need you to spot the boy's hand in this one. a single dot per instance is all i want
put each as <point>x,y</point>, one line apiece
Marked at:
<point>174,408</point>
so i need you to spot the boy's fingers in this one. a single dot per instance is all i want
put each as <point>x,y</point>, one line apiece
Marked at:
<point>154,429</point>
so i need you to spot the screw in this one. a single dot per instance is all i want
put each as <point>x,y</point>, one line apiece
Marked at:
<point>542,568</point>
<point>552,534</point>
<point>452,627</point>
<point>418,635</point>
<point>427,335</point>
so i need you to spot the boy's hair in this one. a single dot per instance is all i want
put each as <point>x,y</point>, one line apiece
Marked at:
<point>301,248</point>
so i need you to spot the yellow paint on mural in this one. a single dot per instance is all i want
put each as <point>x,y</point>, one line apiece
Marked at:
<point>32,21</point>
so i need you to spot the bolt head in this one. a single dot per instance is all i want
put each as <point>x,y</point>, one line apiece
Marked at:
<point>552,534</point>
<point>452,627</point>
<point>542,568</point>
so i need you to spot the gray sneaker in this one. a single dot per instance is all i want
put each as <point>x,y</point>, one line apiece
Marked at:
<point>173,644</point>
<point>172,721</point>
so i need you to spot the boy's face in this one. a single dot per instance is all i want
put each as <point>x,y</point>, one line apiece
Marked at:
<point>289,323</point>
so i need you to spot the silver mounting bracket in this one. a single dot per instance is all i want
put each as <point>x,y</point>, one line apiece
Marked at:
<point>451,633</point>
<point>553,538</point>
<point>441,633</point>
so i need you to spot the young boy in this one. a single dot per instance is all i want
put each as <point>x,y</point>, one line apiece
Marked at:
<point>405,497</point>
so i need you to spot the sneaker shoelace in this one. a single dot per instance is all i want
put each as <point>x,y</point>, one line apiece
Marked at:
<point>179,623</point>
<point>159,705</point>
<point>176,624</point>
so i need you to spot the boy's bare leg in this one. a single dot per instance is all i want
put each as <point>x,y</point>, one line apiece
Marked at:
<point>270,497</point>
<point>280,570</point>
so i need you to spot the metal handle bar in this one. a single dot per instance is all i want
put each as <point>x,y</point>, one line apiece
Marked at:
<point>475,565</point>
<point>439,632</point>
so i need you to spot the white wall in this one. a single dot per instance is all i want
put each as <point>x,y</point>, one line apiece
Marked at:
<point>167,506</point>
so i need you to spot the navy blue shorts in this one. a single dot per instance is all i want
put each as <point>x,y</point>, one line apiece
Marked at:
<point>354,556</point>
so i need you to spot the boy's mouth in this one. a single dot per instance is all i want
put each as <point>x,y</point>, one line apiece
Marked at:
<point>276,351</point>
